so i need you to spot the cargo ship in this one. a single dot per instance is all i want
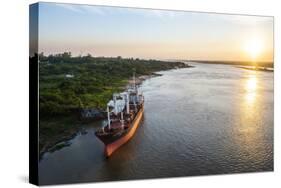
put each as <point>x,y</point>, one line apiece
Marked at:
<point>124,114</point>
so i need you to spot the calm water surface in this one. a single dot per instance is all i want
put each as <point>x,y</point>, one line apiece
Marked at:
<point>211,119</point>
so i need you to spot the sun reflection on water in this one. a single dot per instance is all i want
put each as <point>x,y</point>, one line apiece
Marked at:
<point>248,132</point>
<point>251,89</point>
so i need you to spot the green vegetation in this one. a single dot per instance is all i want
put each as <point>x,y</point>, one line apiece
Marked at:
<point>70,83</point>
<point>55,130</point>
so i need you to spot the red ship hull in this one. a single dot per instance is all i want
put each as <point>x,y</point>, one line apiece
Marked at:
<point>110,148</point>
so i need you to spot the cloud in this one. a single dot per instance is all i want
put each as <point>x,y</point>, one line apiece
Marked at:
<point>156,13</point>
<point>82,9</point>
<point>104,10</point>
<point>73,8</point>
<point>246,20</point>
<point>94,9</point>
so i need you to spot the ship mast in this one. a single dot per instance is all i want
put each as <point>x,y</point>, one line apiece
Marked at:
<point>127,103</point>
<point>115,104</point>
<point>108,116</point>
<point>134,79</point>
<point>122,120</point>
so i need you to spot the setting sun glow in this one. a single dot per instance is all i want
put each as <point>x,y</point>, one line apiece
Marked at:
<point>254,48</point>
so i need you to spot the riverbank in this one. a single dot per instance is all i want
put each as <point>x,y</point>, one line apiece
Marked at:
<point>265,69</point>
<point>241,63</point>
<point>55,130</point>
<point>142,78</point>
<point>58,130</point>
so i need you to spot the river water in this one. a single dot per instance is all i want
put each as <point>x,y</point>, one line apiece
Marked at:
<point>210,119</point>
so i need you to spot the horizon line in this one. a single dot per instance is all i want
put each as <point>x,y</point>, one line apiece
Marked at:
<point>158,59</point>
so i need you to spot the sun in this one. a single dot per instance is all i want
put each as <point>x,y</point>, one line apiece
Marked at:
<point>254,48</point>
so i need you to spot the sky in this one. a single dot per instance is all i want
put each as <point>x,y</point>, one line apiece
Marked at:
<point>153,34</point>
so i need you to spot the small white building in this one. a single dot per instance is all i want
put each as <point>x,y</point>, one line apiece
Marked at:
<point>69,76</point>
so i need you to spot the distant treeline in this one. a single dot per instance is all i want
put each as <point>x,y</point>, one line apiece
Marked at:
<point>243,63</point>
<point>67,84</point>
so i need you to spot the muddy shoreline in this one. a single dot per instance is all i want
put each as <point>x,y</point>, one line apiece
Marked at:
<point>264,69</point>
